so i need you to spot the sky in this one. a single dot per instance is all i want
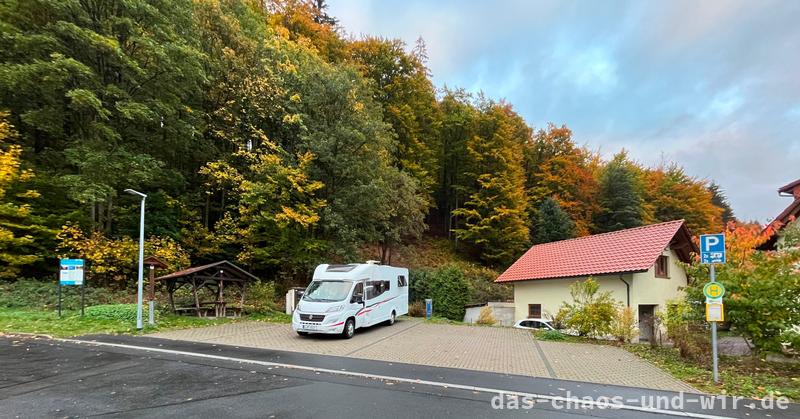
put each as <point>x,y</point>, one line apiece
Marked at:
<point>711,85</point>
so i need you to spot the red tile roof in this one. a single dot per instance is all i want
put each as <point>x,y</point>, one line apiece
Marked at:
<point>631,250</point>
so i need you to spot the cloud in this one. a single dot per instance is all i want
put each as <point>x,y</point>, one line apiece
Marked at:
<point>712,85</point>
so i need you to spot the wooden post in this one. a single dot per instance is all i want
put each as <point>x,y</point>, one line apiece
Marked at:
<point>196,299</point>
<point>221,299</point>
<point>241,302</point>
<point>151,286</point>
<point>170,290</point>
<point>58,279</point>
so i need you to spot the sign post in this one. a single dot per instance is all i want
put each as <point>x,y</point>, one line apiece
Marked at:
<point>70,273</point>
<point>428,308</point>
<point>712,251</point>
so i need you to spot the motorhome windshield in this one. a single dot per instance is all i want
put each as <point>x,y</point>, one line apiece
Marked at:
<point>327,291</point>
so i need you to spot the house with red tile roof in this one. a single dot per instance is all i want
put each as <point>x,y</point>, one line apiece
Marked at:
<point>639,266</point>
<point>791,213</point>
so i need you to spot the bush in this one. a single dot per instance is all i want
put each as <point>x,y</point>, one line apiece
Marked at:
<point>446,286</point>
<point>124,312</point>
<point>416,309</point>
<point>686,331</point>
<point>482,286</point>
<point>549,335</point>
<point>113,260</point>
<point>486,317</point>
<point>43,295</point>
<point>624,328</point>
<point>591,313</point>
<point>559,321</point>
<point>761,289</point>
<point>261,297</point>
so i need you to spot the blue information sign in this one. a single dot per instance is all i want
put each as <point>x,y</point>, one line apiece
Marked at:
<point>712,248</point>
<point>428,308</point>
<point>71,272</point>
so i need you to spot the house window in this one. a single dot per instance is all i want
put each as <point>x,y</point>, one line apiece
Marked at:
<point>662,267</point>
<point>534,311</point>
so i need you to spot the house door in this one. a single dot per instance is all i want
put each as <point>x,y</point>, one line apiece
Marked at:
<point>647,314</point>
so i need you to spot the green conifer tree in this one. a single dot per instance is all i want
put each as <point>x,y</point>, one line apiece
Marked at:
<point>620,197</point>
<point>552,223</point>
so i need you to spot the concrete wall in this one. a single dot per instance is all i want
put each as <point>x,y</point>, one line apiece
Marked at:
<point>645,289</point>
<point>502,312</point>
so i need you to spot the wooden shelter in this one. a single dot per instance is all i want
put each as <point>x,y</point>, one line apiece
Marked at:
<point>152,263</point>
<point>214,277</point>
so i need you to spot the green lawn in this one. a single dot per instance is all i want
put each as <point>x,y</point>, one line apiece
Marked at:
<point>72,324</point>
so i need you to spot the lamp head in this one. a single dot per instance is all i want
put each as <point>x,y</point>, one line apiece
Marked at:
<point>137,193</point>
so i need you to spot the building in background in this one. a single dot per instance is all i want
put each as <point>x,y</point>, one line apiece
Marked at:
<point>791,213</point>
<point>639,266</point>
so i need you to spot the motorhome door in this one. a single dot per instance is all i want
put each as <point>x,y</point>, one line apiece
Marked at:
<point>357,303</point>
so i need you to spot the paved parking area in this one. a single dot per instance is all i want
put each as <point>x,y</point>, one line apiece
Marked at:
<point>493,349</point>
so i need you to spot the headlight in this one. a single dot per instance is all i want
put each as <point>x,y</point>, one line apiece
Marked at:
<point>334,309</point>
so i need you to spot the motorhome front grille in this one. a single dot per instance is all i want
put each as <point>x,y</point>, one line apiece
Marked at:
<point>312,317</point>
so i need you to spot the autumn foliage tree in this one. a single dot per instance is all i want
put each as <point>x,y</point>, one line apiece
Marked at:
<point>408,100</point>
<point>761,289</point>
<point>495,217</point>
<point>558,169</point>
<point>262,132</point>
<point>670,194</point>
<point>21,231</point>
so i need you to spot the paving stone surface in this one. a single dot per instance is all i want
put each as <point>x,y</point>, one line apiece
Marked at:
<point>494,349</point>
<point>607,364</point>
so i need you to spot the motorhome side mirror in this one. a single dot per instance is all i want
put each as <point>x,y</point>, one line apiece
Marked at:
<point>357,299</point>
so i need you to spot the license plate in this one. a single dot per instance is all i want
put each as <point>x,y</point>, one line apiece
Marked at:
<point>309,326</point>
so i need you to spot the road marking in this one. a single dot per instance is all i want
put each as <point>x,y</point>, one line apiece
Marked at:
<point>578,400</point>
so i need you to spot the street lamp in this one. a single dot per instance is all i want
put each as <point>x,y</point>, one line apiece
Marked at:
<point>141,259</point>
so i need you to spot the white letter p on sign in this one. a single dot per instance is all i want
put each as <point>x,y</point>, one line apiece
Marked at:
<point>711,241</point>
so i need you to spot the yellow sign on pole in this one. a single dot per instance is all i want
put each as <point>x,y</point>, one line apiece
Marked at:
<point>715,312</point>
<point>714,290</point>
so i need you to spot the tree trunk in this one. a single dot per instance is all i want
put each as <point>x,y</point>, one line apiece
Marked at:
<point>207,209</point>
<point>93,215</point>
<point>108,215</point>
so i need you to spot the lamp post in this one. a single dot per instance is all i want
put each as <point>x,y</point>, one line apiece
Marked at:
<point>141,259</point>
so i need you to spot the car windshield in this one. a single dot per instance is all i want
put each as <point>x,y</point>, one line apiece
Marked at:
<point>327,291</point>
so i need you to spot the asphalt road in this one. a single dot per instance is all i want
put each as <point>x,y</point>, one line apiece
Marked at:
<point>119,378</point>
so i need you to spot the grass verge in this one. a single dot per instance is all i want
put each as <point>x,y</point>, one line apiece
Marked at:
<point>739,376</point>
<point>72,324</point>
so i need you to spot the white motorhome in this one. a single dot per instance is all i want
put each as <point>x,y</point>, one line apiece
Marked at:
<point>343,298</point>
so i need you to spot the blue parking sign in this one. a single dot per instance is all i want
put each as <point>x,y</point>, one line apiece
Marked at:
<point>712,248</point>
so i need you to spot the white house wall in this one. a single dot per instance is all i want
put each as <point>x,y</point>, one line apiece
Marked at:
<point>645,288</point>
<point>648,289</point>
<point>551,293</point>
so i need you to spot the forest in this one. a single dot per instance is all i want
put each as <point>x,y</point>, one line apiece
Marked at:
<point>265,134</point>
